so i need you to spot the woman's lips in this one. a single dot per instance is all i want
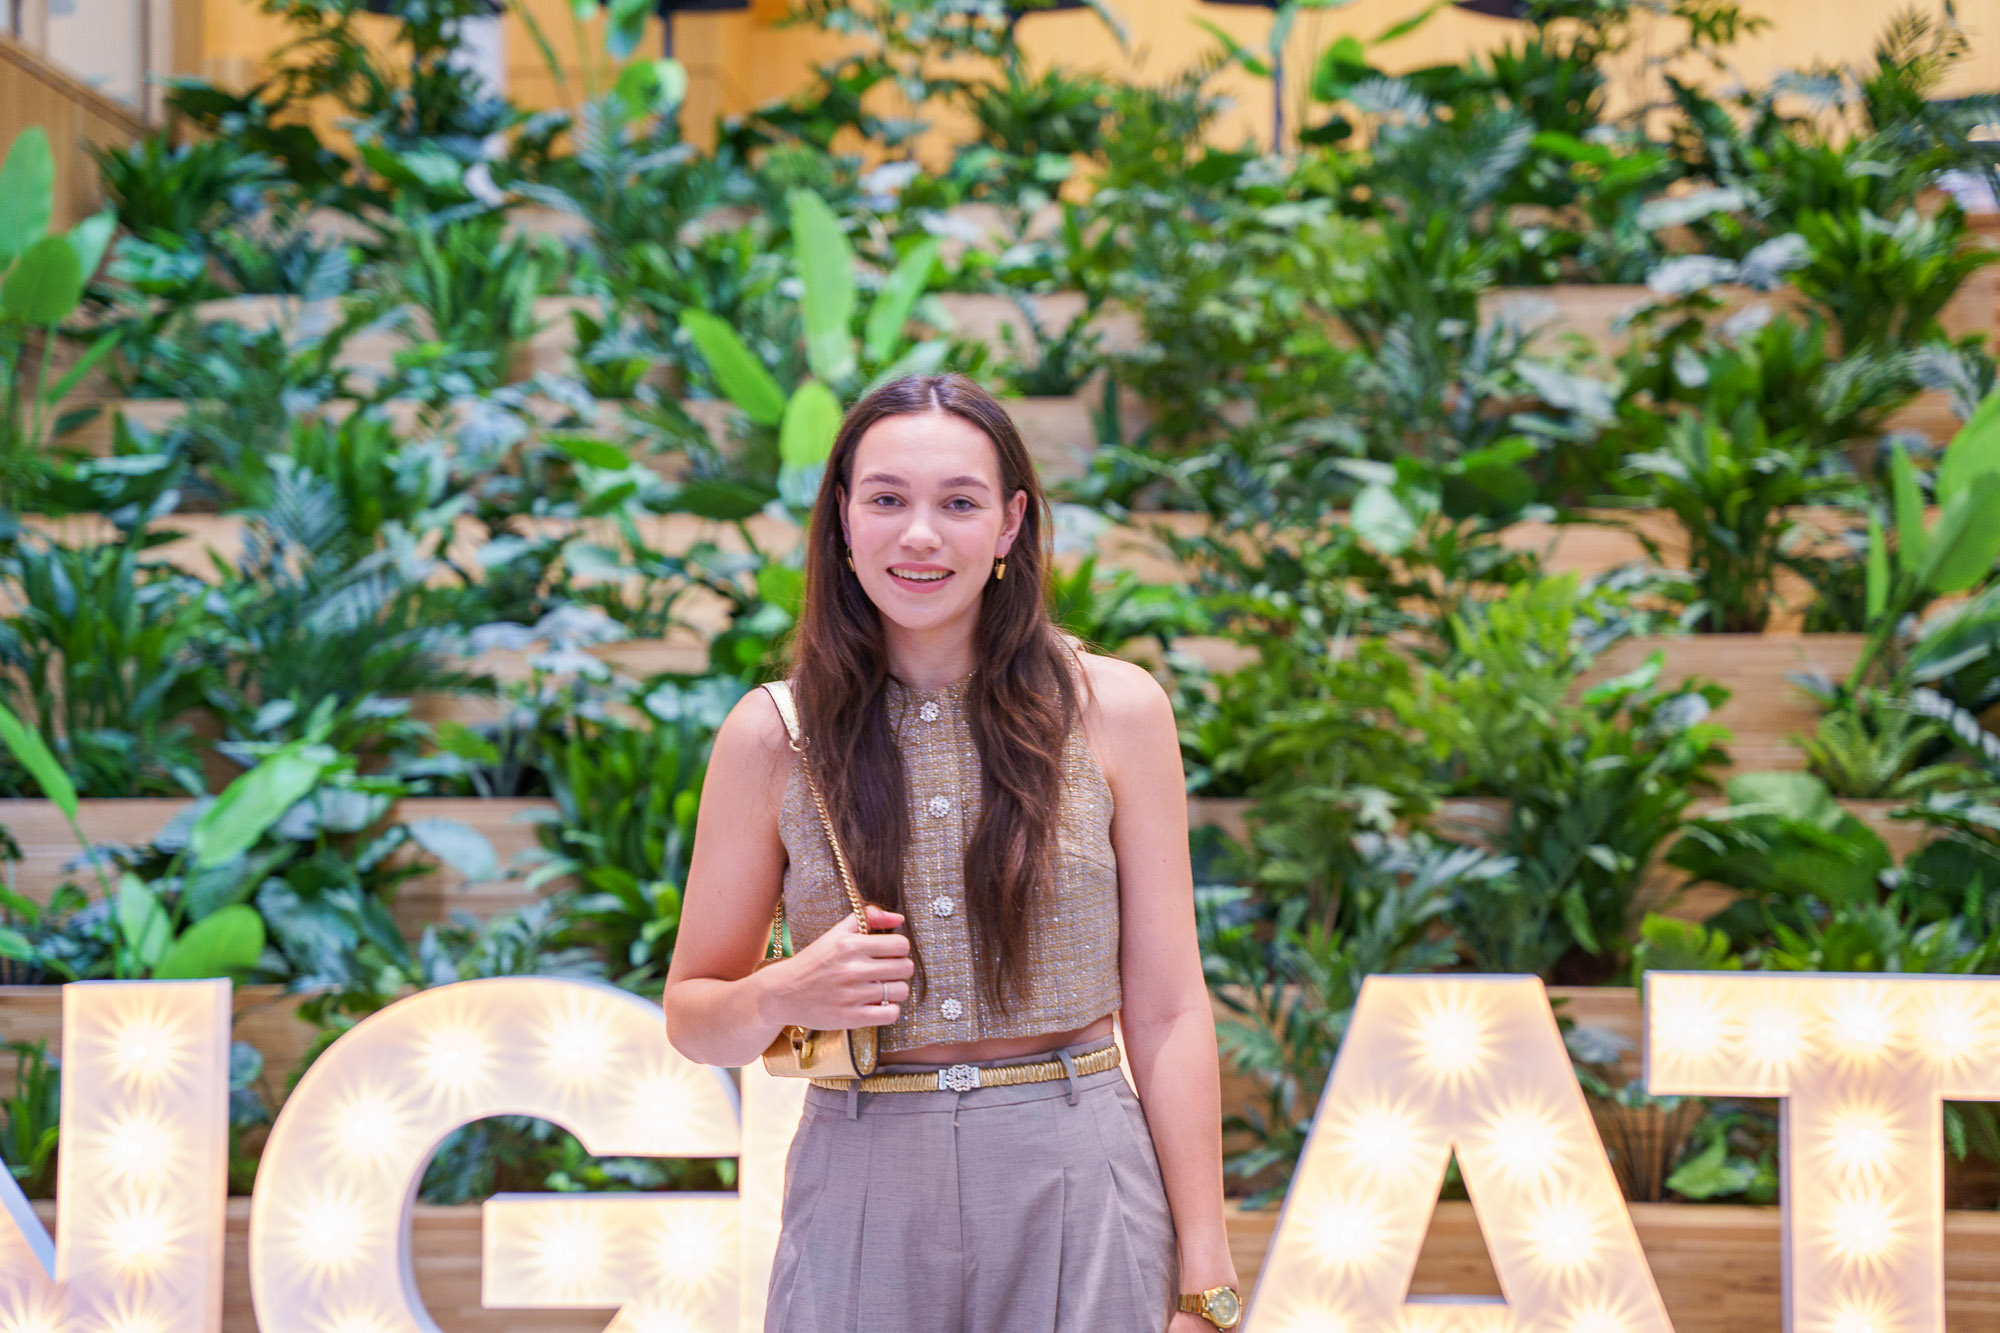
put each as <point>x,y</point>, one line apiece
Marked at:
<point>919,585</point>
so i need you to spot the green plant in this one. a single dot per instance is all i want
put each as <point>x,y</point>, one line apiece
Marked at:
<point>103,655</point>
<point>1954,555</point>
<point>1883,281</point>
<point>1290,985</point>
<point>626,799</point>
<point>1870,746</point>
<point>806,418</point>
<point>42,277</point>
<point>474,284</point>
<point>1731,486</point>
<point>33,1119</point>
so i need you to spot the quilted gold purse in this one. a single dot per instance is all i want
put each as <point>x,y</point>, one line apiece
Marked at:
<point>800,1052</point>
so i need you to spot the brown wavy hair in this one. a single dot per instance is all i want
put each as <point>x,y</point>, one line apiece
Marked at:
<point>1022,700</point>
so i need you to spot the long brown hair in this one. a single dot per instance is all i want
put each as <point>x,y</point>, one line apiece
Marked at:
<point>1021,702</point>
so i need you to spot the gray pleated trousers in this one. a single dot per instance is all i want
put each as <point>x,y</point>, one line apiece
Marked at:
<point>1026,1209</point>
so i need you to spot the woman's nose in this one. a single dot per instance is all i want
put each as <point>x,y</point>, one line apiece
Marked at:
<point>919,534</point>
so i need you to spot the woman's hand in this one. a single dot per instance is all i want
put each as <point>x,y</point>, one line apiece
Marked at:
<point>842,979</point>
<point>1184,1322</point>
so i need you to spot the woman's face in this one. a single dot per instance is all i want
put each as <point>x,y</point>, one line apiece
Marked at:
<point>924,518</point>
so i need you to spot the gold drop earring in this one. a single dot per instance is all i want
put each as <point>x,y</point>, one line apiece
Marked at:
<point>850,559</point>
<point>999,568</point>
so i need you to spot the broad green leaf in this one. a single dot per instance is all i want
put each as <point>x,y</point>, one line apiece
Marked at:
<point>898,297</point>
<point>1967,540</point>
<point>223,944</point>
<point>1409,25</point>
<point>738,373</point>
<point>95,353</point>
<point>1381,520</point>
<point>1236,50</point>
<point>455,738</point>
<point>1878,568</point>
<point>142,922</point>
<point>45,284</point>
<point>592,452</point>
<point>90,238</point>
<point>627,27</point>
<point>812,419</point>
<point>1974,450</point>
<point>721,498</point>
<point>826,270</point>
<point>1908,498</point>
<point>460,846</point>
<point>27,192</point>
<point>249,806</point>
<point>655,86</point>
<point>33,754</point>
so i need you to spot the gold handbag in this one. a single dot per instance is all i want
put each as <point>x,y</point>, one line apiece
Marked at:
<point>800,1052</point>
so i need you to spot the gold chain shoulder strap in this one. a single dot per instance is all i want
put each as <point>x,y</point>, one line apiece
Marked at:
<point>788,709</point>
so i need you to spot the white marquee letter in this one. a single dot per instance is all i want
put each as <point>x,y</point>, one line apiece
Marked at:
<point>142,1168</point>
<point>1863,1063</point>
<point>1433,1065</point>
<point>330,1219</point>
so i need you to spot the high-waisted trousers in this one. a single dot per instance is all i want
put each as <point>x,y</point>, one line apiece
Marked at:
<point>1026,1209</point>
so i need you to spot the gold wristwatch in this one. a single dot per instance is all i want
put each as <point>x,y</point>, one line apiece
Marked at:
<point>1220,1306</point>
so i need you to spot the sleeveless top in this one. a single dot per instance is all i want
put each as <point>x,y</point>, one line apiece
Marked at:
<point>1071,976</point>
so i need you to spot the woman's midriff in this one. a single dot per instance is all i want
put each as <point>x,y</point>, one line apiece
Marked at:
<point>1000,1048</point>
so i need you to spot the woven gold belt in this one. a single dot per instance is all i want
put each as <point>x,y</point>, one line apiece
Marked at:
<point>964,1078</point>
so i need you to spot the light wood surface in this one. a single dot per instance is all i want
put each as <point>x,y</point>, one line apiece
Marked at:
<point>34,92</point>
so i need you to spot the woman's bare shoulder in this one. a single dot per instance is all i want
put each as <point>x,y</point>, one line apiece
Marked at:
<point>751,743</point>
<point>1123,700</point>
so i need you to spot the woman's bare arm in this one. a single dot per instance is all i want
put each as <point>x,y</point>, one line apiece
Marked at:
<point>721,1009</point>
<point>1168,1024</point>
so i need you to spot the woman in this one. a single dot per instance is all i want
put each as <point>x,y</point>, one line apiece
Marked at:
<point>1014,813</point>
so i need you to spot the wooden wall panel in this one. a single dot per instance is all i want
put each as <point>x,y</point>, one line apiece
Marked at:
<point>34,93</point>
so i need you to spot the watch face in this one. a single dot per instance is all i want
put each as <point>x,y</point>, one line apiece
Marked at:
<point>1223,1304</point>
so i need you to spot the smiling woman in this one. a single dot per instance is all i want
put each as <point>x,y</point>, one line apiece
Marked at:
<point>1012,810</point>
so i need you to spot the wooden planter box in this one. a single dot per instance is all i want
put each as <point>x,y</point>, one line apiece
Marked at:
<point>47,847</point>
<point>267,1017</point>
<point>1765,711</point>
<point>1717,1265</point>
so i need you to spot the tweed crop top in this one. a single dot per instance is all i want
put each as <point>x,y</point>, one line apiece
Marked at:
<point>1072,977</point>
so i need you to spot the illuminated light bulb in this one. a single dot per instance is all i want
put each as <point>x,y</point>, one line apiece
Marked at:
<point>1598,1319</point>
<point>1689,1027</point>
<point>1525,1141</point>
<point>1381,1140</point>
<point>368,1127</point>
<point>146,1049</point>
<point>350,1320</point>
<point>1453,1041</point>
<point>1860,1139</point>
<point>568,1252</point>
<point>577,1046</point>
<point>1861,1229</point>
<point>1343,1232</point>
<point>136,1149</point>
<point>455,1060</point>
<point>328,1232</point>
<point>1950,1033</point>
<point>140,1237</point>
<point>1774,1035</point>
<point>1563,1236</point>
<point>687,1252</point>
<point>129,1315</point>
<point>1861,1025</point>
<point>1862,1316</point>
<point>42,1316</point>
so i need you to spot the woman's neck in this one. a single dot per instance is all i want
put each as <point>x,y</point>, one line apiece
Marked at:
<point>928,664</point>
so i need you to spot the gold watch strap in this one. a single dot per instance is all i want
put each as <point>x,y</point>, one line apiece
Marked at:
<point>999,1076</point>
<point>1197,1303</point>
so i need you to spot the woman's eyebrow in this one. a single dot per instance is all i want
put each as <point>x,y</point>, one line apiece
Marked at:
<point>948,483</point>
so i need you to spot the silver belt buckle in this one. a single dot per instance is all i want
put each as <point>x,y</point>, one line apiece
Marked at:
<point>958,1078</point>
